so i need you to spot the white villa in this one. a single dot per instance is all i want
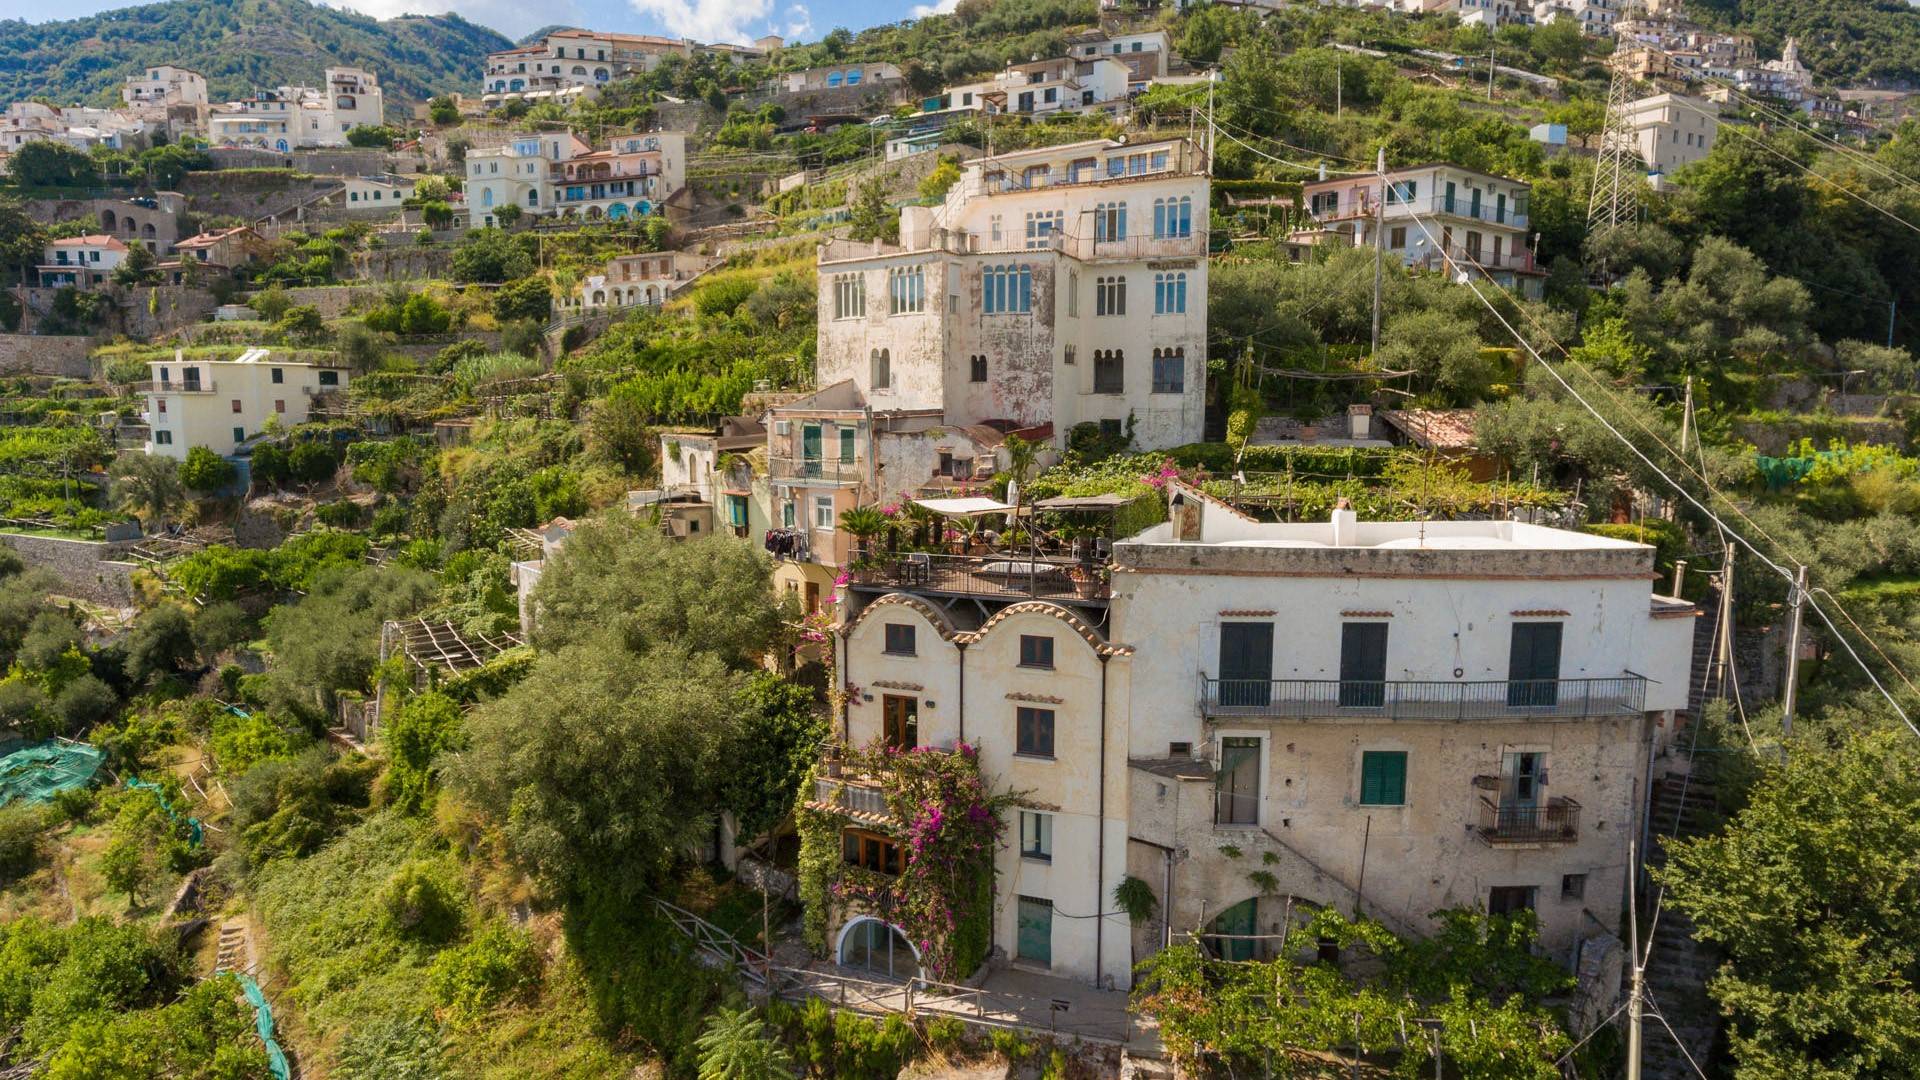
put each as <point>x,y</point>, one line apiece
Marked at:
<point>221,404</point>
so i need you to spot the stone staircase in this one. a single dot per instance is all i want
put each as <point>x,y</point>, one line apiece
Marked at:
<point>1678,967</point>
<point>236,948</point>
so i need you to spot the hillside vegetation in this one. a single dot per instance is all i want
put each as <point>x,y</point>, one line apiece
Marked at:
<point>1843,41</point>
<point>239,45</point>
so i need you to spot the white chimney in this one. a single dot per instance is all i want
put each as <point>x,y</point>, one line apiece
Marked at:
<point>1346,526</point>
<point>1360,421</point>
<point>179,355</point>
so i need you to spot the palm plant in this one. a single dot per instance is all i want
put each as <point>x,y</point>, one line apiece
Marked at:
<point>736,1046</point>
<point>863,523</point>
<point>148,486</point>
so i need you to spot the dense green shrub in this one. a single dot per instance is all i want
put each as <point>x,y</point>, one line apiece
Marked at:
<point>422,903</point>
<point>498,965</point>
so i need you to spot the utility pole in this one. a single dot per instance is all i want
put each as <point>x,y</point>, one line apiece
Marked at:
<point>1793,658</point>
<point>1637,991</point>
<point>1212,75</point>
<point>1617,172</point>
<point>1686,417</point>
<point>1723,656</point>
<point>1379,247</point>
<point>1893,313</point>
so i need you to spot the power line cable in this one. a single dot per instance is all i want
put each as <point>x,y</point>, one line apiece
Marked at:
<point>1762,144</point>
<point>1677,487</point>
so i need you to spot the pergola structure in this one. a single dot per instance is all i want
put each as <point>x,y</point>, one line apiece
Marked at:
<point>442,645</point>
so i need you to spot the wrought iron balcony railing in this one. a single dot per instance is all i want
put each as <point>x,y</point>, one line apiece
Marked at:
<point>1556,821</point>
<point>1496,699</point>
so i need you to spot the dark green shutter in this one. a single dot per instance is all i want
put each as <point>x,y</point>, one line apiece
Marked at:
<point>1383,778</point>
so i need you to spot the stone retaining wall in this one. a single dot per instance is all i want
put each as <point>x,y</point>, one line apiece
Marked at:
<point>87,569</point>
<point>64,356</point>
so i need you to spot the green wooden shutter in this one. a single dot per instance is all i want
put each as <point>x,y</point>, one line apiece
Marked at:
<point>1383,778</point>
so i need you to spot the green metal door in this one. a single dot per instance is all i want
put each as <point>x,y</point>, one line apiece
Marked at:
<point>810,449</point>
<point>1236,927</point>
<point>1034,942</point>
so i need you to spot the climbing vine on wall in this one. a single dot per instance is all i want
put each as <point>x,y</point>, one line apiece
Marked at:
<point>948,825</point>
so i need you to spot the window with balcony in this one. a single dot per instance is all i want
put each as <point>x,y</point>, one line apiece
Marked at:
<point>846,446</point>
<point>1383,778</point>
<point>1533,665</point>
<point>1237,791</point>
<point>1170,293</point>
<point>1109,221</point>
<point>1007,289</point>
<point>1173,218</point>
<point>906,290</point>
<point>1401,192</point>
<point>849,296</point>
<point>1109,371</point>
<point>1033,734</point>
<point>1324,203</point>
<point>1036,651</point>
<point>1042,225</point>
<point>1110,295</point>
<point>1036,836</point>
<point>1363,665</point>
<point>1246,664</point>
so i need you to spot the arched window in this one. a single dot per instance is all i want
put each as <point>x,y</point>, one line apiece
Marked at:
<point>874,947</point>
<point>599,297</point>
<point>1170,293</point>
<point>1170,371</point>
<point>1109,222</point>
<point>600,75</point>
<point>853,77</point>
<point>1007,289</point>
<point>833,78</point>
<point>1172,218</point>
<point>882,363</point>
<point>1110,295</point>
<point>1109,371</point>
<point>578,70</point>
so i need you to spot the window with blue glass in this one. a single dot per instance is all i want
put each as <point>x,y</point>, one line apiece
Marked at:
<point>1170,293</point>
<point>1172,218</point>
<point>1109,222</point>
<point>1007,289</point>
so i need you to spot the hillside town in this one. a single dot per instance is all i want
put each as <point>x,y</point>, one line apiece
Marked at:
<point>1032,540</point>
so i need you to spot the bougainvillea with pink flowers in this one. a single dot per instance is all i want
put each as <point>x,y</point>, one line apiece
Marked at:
<point>948,825</point>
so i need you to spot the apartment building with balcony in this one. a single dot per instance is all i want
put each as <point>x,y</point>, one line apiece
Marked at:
<point>162,85</point>
<point>630,178</point>
<point>572,60</point>
<point>1595,17</point>
<point>517,172</point>
<point>221,404</point>
<point>1397,717</point>
<point>1056,86</point>
<point>287,117</point>
<point>1054,286</point>
<point>1437,217</point>
<point>1147,54</point>
<point>1259,720</point>
<point>81,262</point>
<point>648,279</point>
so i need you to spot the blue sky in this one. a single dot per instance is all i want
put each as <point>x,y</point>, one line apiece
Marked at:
<point>703,20</point>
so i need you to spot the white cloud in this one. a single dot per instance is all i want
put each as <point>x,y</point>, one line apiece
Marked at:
<point>708,20</point>
<point>800,21</point>
<point>940,7</point>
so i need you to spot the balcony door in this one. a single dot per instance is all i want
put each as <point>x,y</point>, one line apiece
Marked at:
<point>1521,777</point>
<point>1363,665</point>
<point>810,449</point>
<point>1533,666</point>
<point>1246,664</point>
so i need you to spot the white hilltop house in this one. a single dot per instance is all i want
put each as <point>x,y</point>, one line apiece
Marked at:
<point>288,117</point>
<point>642,280</point>
<point>221,404</point>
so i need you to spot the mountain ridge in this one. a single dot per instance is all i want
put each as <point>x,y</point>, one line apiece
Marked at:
<point>240,45</point>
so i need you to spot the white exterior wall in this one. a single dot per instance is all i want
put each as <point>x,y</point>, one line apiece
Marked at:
<point>1672,134</point>
<point>165,85</point>
<point>1067,786</point>
<point>1449,614</point>
<point>207,417</point>
<point>515,173</point>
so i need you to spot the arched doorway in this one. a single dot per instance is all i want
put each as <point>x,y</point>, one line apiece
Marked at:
<point>877,948</point>
<point>1252,929</point>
